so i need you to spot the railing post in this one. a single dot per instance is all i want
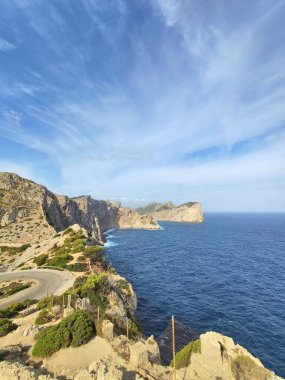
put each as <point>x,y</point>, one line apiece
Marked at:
<point>98,314</point>
<point>127,329</point>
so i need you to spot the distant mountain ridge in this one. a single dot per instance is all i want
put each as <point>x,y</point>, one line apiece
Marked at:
<point>29,212</point>
<point>186,212</point>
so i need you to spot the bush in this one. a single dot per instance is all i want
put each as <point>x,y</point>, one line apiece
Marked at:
<point>69,230</point>
<point>24,247</point>
<point>13,310</point>
<point>90,250</point>
<point>183,356</point>
<point>41,260</point>
<point>44,317</point>
<point>59,261</point>
<point>46,302</point>
<point>6,326</point>
<point>78,245</point>
<point>78,267</point>
<point>75,330</point>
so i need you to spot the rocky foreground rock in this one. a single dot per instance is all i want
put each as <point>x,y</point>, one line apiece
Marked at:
<point>29,212</point>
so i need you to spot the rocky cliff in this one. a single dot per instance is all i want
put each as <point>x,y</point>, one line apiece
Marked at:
<point>29,212</point>
<point>216,356</point>
<point>187,212</point>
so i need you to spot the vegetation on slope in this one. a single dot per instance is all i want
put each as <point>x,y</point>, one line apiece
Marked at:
<point>14,309</point>
<point>74,330</point>
<point>13,288</point>
<point>6,326</point>
<point>148,208</point>
<point>44,317</point>
<point>183,357</point>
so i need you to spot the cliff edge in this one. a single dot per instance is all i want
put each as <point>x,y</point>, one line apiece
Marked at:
<point>29,212</point>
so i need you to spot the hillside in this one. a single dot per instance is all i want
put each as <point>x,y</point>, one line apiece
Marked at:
<point>29,212</point>
<point>187,212</point>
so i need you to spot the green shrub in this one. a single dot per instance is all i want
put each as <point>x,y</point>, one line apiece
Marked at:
<point>97,299</point>
<point>69,230</point>
<point>75,330</point>
<point>90,250</point>
<point>41,260</point>
<point>59,261</point>
<point>44,317</point>
<point>183,356</point>
<point>78,267</point>
<point>24,247</point>
<point>46,302</point>
<point>78,245</point>
<point>6,326</point>
<point>13,310</point>
<point>17,289</point>
<point>95,281</point>
<point>79,281</point>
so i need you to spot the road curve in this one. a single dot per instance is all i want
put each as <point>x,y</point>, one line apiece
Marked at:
<point>47,281</point>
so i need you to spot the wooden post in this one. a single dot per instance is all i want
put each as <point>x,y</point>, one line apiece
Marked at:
<point>51,303</point>
<point>63,300</point>
<point>173,347</point>
<point>127,329</point>
<point>98,314</point>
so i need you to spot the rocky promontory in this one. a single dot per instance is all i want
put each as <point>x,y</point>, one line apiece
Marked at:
<point>29,212</point>
<point>187,212</point>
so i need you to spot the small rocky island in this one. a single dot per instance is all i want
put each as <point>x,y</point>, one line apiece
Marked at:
<point>65,313</point>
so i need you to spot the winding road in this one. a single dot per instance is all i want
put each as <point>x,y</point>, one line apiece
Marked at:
<point>47,281</point>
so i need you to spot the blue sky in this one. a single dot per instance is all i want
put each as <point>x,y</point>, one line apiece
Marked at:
<point>143,100</point>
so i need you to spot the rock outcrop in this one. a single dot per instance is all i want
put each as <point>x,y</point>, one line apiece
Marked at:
<point>18,371</point>
<point>29,212</point>
<point>219,357</point>
<point>187,212</point>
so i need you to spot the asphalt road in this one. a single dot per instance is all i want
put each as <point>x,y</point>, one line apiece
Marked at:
<point>47,281</point>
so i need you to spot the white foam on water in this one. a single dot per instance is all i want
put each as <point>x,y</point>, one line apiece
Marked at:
<point>110,243</point>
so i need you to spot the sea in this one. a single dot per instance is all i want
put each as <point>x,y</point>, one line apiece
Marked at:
<point>225,275</point>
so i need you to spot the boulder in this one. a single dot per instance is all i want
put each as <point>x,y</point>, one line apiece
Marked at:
<point>139,355</point>
<point>153,350</point>
<point>107,329</point>
<point>106,370</point>
<point>83,374</point>
<point>31,330</point>
<point>17,371</point>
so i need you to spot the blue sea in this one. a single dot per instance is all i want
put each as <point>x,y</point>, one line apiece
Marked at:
<point>226,275</point>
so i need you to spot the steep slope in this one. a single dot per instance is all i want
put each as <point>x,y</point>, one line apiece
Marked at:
<point>149,208</point>
<point>29,212</point>
<point>187,212</point>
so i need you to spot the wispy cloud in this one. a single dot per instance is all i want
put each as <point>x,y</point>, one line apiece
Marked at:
<point>5,45</point>
<point>156,101</point>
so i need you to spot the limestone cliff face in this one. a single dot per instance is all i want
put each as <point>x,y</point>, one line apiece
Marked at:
<point>29,212</point>
<point>187,212</point>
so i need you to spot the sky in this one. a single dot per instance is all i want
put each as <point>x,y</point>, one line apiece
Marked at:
<point>146,100</point>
